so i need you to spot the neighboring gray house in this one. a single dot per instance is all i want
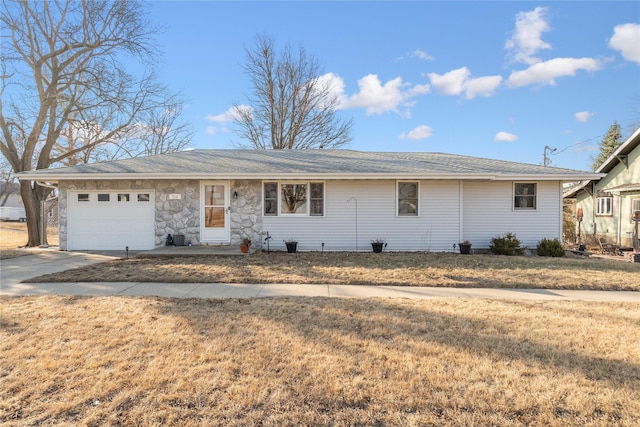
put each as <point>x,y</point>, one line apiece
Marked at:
<point>608,203</point>
<point>324,199</point>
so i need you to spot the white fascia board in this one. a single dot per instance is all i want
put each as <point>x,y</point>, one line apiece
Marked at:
<point>53,177</point>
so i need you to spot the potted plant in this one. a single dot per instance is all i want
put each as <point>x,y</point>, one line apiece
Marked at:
<point>245,245</point>
<point>377,245</point>
<point>292,246</point>
<point>465,247</point>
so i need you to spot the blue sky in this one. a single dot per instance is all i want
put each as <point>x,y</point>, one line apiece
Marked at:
<point>491,79</point>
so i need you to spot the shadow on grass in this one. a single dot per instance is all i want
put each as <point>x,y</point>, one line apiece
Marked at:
<point>343,320</point>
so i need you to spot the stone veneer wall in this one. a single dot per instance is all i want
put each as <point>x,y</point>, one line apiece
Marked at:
<point>180,216</point>
<point>172,216</point>
<point>246,212</point>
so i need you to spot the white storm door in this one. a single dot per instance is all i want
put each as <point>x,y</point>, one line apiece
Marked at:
<point>214,212</point>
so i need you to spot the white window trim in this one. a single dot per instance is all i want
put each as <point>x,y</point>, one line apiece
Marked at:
<point>610,206</point>
<point>634,200</point>
<point>513,197</point>
<point>307,214</point>
<point>412,181</point>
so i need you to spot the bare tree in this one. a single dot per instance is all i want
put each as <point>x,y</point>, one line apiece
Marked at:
<point>64,87</point>
<point>291,106</point>
<point>7,181</point>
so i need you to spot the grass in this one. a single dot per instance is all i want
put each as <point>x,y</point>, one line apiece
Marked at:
<point>317,361</point>
<point>13,235</point>
<point>405,269</point>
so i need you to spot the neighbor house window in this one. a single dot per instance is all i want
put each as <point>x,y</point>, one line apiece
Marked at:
<point>524,196</point>
<point>294,198</point>
<point>123,197</point>
<point>408,198</point>
<point>143,197</point>
<point>83,197</point>
<point>103,197</point>
<point>604,206</point>
<point>635,206</point>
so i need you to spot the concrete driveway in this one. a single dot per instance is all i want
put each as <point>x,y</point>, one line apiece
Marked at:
<point>15,270</point>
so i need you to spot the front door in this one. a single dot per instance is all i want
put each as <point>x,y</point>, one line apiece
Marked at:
<point>214,212</point>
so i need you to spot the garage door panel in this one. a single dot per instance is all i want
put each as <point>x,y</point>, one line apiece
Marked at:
<point>112,224</point>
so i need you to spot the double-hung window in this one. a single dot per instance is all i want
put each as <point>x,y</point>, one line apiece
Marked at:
<point>304,198</point>
<point>408,192</point>
<point>524,196</point>
<point>635,207</point>
<point>604,206</point>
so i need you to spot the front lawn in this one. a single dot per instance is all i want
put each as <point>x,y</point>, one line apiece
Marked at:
<point>404,269</point>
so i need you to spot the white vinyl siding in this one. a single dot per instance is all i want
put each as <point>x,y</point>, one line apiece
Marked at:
<point>436,229</point>
<point>488,212</point>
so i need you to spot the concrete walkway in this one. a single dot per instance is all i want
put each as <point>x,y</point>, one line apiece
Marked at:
<point>219,290</point>
<point>15,270</point>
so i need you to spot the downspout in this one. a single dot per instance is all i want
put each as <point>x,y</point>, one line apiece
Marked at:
<point>619,231</point>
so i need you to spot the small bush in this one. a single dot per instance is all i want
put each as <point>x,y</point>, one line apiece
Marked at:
<point>507,244</point>
<point>550,247</point>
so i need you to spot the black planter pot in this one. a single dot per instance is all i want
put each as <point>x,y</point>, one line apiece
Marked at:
<point>292,247</point>
<point>465,248</point>
<point>377,247</point>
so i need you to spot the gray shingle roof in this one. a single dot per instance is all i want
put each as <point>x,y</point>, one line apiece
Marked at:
<point>237,164</point>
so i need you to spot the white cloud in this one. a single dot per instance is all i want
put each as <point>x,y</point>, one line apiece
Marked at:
<point>211,130</point>
<point>583,116</point>
<point>482,86</point>
<point>335,84</point>
<point>421,132</point>
<point>458,81</point>
<point>526,40</point>
<point>228,116</point>
<point>379,98</point>
<point>505,137</point>
<point>545,73</point>
<point>421,54</point>
<point>626,40</point>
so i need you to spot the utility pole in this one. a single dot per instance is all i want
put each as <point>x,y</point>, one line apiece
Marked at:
<point>546,159</point>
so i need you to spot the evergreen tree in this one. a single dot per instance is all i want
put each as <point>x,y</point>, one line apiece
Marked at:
<point>609,144</point>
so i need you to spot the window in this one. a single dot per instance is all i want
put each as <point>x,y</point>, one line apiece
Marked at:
<point>604,206</point>
<point>123,197</point>
<point>635,207</point>
<point>524,196</point>
<point>293,198</point>
<point>143,197</point>
<point>103,197</point>
<point>271,198</point>
<point>408,198</point>
<point>83,197</point>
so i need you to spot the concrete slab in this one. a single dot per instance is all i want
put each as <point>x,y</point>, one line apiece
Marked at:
<point>225,290</point>
<point>16,270</point>
<point>279,290</point>
<point>168,290</point>
<point>80,288</point>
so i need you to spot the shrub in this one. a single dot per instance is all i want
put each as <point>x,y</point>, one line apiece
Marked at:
<point>550,247</point>
<point>507,244</point>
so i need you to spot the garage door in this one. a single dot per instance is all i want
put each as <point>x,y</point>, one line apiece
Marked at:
<point>111,220</point>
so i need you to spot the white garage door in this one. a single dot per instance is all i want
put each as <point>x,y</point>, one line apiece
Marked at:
<point>111,220</point>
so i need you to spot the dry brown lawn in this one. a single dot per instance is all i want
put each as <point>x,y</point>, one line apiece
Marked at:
<point>13,235</point>
<point>404,269</point>
<point>119,361</point>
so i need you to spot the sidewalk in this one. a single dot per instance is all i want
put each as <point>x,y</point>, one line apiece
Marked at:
<point>218,290</point>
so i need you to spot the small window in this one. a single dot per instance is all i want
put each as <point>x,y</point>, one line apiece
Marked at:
<point>271,198</point>
<point>604,206</point>
<point>407,198</point>
<point>524,196</point>
<point>316,199</point>
<point>143,197</point>
<point>123,197</point>
<point>83,197</point>
<point>103,197</point>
